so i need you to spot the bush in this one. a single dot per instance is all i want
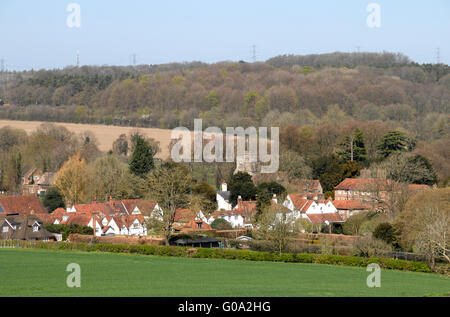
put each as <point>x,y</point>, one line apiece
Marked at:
<point>369,246</point>
<point>66,230</point>
<point>221,224</point>
<point>386,232</point>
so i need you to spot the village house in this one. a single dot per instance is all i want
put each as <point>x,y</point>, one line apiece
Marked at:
<point>371,190</point>
<point>241,216</point>
<point>114,217</point>
<point>348,208</point>
<point>315,211</point>
<point>188,220</point>
<point>36,182</point>
<point>223,198</point>
<point>234,217</point>
<point>22,205</point>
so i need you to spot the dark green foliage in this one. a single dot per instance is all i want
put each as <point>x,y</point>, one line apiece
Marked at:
<point>142,159</point>
<point>221,224</point>
<point>66,230</point>
<point>241,184</point>
<point>53,199</point>
<point>427,176</point>
<point>394,142</point>
<point>265,192</point>
<point>271,188</point>
<point>353,148</point>
<point>388,233</point>
<point>330,170</point>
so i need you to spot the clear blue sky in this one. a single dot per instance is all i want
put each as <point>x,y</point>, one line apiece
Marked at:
<point>34,34</point>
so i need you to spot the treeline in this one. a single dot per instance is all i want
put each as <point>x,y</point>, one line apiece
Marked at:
<point>339,59</point>
<point>282,91</point>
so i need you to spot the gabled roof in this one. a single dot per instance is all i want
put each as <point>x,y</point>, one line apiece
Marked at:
<point>184,215</point>
<point>300,203</point>
<point>247,207</point>
<point>24,228</point>
<point>25,204</point>
<point>350,205</point>
<point>224,194</point>
<point>362,184</point>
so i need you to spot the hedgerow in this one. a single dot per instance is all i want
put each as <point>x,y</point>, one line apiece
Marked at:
<point>231,254</point>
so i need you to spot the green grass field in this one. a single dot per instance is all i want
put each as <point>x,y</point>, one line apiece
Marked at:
<point>43,273</point>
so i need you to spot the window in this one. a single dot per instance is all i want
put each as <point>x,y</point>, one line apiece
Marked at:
<point>5,229</point>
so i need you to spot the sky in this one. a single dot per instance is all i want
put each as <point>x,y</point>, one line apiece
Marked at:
<point>35,34</point>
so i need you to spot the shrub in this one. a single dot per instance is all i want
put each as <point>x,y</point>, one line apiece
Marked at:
<point>369,246</point>
<point>221,224</point>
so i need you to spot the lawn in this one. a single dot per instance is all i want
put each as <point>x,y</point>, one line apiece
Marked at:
<point>43,273</point>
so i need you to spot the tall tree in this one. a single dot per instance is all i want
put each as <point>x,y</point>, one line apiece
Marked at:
<point>142,159</point>
<point>53,199</point>
<point>353,147</point>
<point>393,142</point>
<point>170,185</point>
<point>73,181</point>
<point>241,184</point>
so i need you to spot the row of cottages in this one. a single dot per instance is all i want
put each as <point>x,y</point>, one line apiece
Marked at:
<point>114,217</point>
<point>314,211</point>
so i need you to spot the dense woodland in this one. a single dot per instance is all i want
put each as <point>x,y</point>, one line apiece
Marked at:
<point>318,101</point>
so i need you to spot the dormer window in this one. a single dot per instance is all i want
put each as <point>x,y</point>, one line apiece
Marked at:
<point>35,228</point>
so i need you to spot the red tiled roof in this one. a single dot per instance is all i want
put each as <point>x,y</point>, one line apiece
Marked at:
<point>247,207</point>
<point>361,184</point>
<point>45,218</point>
<point>184,215</point>
<point>194,224</point>
<point>25,204</point>
<point>321,218</point>
<point>79,219</point>
<point>418,187</point>
<point>350,205</point>
<point>300,203</point>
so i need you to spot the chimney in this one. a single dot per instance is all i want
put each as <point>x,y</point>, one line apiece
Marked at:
<point>239,200</point>
<point>224,186</point>
<point>274,198</point>
<point>110,198</point>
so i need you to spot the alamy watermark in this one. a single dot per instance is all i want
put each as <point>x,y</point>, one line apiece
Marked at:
<point>74,278</point>
<point>252,145</point>
<point>374,18</point>
<point>374,278</point>
<point>74,18</point>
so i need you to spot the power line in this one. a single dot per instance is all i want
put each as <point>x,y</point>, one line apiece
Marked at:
<point>254,53</point>
<point>134,59</point>
<point>438,55</point>
<point>78,58</point>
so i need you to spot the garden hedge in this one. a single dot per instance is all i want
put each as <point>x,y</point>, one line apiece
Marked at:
<point>231,254</point>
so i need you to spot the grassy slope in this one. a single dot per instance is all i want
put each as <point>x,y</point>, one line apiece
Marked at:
<point>42,273</point>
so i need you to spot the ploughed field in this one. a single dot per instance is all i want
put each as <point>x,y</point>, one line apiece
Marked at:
<point>106,134</point>
<point>27,272</point>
